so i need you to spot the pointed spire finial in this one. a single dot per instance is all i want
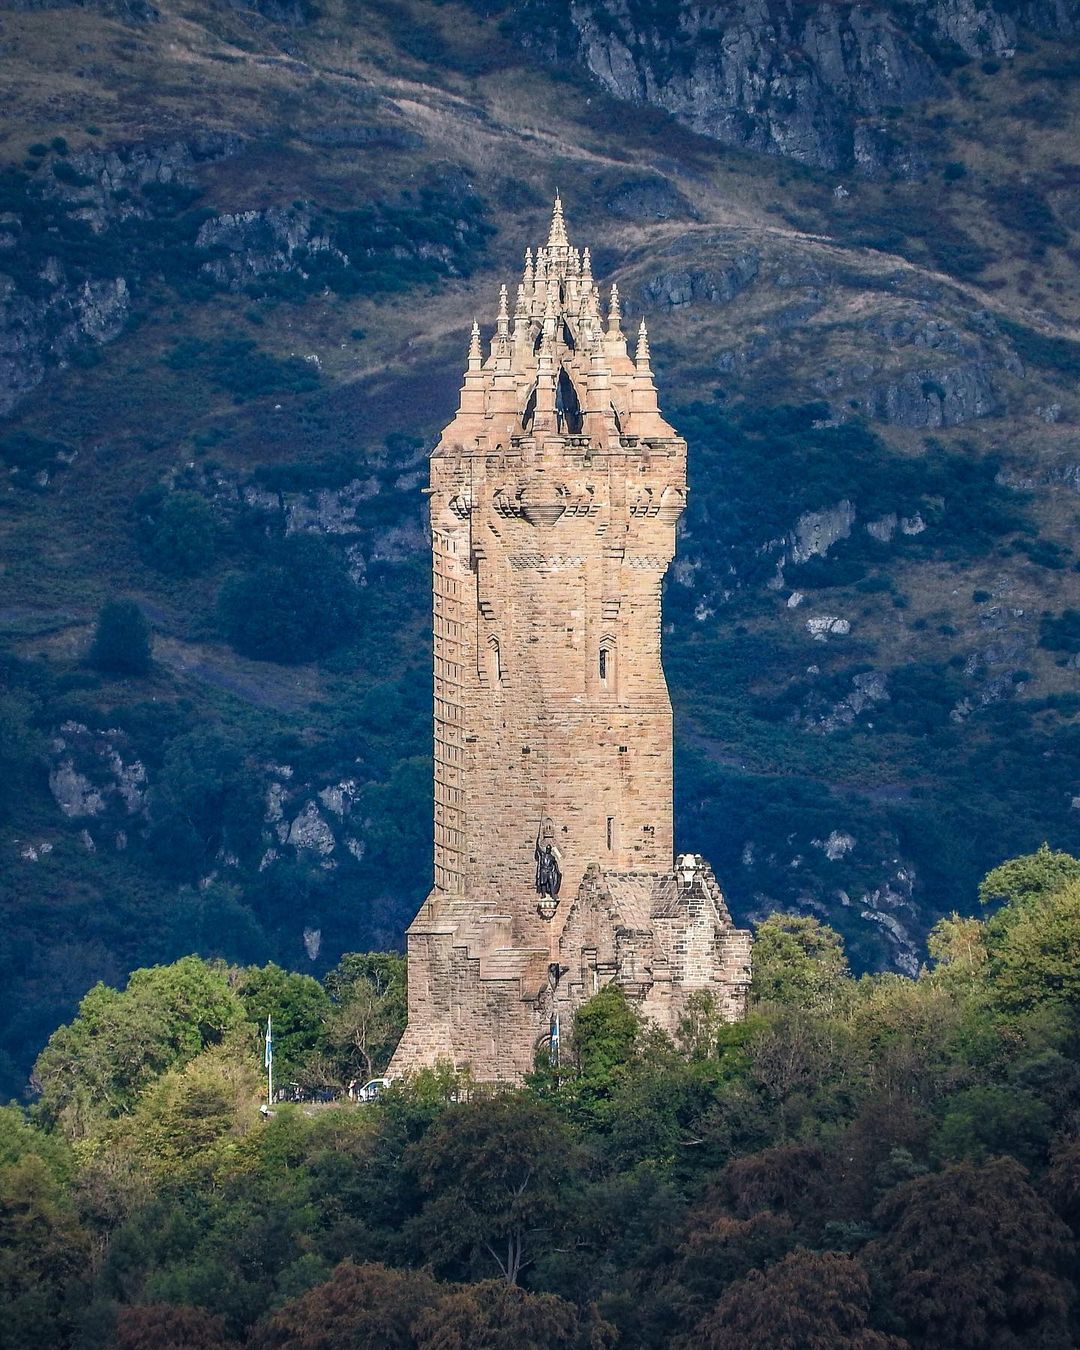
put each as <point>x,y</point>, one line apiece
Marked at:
<point>502,326</point>
<point>614,310</point>
<point>557,237</point>
<point>586,264</point>
<point>641,356</point>
<point>475,354</point>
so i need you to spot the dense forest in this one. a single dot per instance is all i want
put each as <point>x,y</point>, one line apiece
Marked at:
<point>862,1163</point>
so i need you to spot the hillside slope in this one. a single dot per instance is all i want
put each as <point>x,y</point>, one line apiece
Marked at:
<point>241,247</point>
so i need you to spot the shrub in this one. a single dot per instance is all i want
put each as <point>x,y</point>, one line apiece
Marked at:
<point>177,532</point>
<point>237,365</point>
<point>300,603</point>
<point>121,644</point>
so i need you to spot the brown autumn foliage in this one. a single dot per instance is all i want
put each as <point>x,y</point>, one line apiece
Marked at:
<point>358,1305</point>
<point>790,1178</point>
<point>808,1301</point>
<point>719,1249</point>
<point>973,1256</point>
<point>166,1326</point>
<point>497,1316</point>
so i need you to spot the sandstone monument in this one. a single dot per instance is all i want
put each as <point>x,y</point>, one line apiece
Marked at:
<point>554,497</point>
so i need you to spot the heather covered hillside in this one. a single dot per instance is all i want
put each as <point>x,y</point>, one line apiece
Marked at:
<point>240,250</point>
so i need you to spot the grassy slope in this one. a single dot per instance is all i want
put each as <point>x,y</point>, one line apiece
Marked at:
<point>917,790</point>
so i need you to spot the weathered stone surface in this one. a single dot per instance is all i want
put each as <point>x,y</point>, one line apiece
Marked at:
<point>89,772</point>
<point>245,245</point>
<point>43,322</point>
<point>554,498</point>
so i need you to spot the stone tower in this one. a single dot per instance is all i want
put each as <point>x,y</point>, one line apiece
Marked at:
<point>554,496</point>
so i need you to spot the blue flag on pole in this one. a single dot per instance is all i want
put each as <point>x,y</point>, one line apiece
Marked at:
<point>268,1058</point>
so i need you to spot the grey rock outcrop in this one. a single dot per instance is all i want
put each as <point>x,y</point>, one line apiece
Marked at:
<point>249,244</point>
<point>820,84</point>
<point>684,277</point>
<point>92,771</point>
<point>46,318</point>
<point>40,331</point>
<point>815,532</point>
<point>108,184</point>
<point>936,397</point>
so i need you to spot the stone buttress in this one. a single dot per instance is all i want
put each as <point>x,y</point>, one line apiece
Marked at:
<point>554,497</point>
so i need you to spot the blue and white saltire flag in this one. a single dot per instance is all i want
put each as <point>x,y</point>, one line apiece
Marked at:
<point>268,1058</point>
<point>555,1039</point>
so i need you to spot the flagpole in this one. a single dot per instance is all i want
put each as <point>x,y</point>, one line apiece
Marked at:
<point>269,1064</point>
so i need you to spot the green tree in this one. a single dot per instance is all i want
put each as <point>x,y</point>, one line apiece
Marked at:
<point>365,1026</point>
<point>606,1034</point>
<point>300,1008</point>
<point>1031,877</point>
<point>44,1254</point>
<point>121,643</point>
<point>213,921</point>
<point>384,971</point>
<point>208,800</point>
<point>491,1172</point>
<point>957,947</point>
<point>798,961</point>
<point>187,1113</point>
<point>20,1139</point>
<point>22,747</point>
<point>97,1065</point>
<point>1035,959</point>
<point>297,605</point>
<point>972,1256</point>
<point>993,1119</point>
<point>181,535</point>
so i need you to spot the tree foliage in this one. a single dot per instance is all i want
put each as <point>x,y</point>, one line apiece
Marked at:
<point>119,1043</point>
<point>121,642</point>
<point>813,1300</point>
<point>973,1256</point>
<point>871,1163</point>
<point>799,961</point>
<point>491,1172</point>
<point>1034,876</point>
<point>297,604</point>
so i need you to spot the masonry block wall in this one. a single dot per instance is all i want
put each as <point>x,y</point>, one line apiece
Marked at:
<point>554,498</point>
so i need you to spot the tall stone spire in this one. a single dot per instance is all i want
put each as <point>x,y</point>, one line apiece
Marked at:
<point>555,492</point>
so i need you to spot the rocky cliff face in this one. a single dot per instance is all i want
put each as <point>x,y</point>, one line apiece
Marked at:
<point>55,305</point>
<point>821,83</point>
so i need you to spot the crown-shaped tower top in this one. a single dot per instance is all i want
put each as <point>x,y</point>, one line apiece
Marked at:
<point>559,366</point>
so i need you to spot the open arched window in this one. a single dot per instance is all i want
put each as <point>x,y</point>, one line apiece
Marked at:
<point>607,665</point>
<point>529,414</point>
<point>567,407</point>
<point>495,662</point>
